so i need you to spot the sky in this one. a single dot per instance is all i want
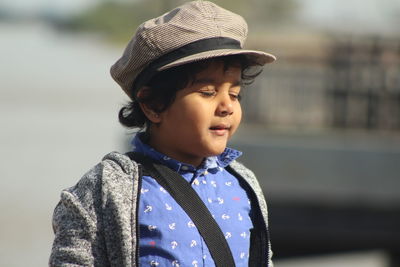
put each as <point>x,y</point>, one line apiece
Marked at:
<point>35,6</point>
<point>354,15</point>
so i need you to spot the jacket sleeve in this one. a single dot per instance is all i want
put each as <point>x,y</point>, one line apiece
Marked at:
<point>74,234</point>
<point>75,226</point>
<point>95,221</point>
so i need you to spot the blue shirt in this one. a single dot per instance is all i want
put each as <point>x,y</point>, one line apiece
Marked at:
<point>168,237</point>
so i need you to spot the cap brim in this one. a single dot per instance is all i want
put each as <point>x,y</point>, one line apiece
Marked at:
<point>260,57</point>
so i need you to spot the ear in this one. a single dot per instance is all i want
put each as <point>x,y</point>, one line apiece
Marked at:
<point>153,116</point>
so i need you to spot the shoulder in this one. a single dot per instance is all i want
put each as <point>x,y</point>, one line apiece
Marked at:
<point>117,167</point>
<point>113,168</point>
<point>115,176</point>
<point>247,175</point>
<point>242,170</point>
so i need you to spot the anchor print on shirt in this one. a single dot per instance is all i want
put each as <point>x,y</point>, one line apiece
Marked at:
<point>163,190</point>
<point>172,226</point>
<point>152,227</point>
<point>174,244</point>
<point>228,235</point>
<point>148,209</point>
<point>168,207</point>
<point>154,263</point>
<point>144,190</point>
<point>225,217</point>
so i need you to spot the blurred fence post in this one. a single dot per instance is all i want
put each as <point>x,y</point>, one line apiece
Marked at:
<point>364,84</point>
<point>348,83</point>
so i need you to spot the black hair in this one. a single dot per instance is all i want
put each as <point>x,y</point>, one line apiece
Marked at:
<point>162,88</point>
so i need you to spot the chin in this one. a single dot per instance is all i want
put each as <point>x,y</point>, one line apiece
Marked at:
<point>214,149</point>
<point>216,152</point>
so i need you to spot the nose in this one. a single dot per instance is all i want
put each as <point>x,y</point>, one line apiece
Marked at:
<point>225,105</point>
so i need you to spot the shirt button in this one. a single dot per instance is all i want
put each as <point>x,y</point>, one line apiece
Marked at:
<point>184,168</point>
<point>205,172</point>
<point>196,182</point>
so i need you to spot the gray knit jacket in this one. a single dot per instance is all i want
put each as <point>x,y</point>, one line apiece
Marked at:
<point>96,222</point>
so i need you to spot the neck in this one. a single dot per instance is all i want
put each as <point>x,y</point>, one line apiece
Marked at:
<point>159,145</point>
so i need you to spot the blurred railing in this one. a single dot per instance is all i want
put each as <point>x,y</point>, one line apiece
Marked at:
<point>347,83</point>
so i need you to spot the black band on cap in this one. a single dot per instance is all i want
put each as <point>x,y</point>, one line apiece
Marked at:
<point>184,51</point>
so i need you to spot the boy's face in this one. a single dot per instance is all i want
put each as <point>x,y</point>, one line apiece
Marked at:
<point>202,118</point>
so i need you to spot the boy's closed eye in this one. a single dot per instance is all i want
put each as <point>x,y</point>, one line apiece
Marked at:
<point>210,92</point>
<point>208,89</point>
<point>236,96</point>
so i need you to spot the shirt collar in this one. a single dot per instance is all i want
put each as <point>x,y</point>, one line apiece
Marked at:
<point>215,163</point>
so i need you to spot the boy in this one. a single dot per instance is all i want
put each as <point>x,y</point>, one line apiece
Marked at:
<point>183,72</point>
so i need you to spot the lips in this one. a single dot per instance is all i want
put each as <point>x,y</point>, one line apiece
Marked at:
<point>220,129</point>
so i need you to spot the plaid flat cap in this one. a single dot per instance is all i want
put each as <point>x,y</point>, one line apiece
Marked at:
<point>195,31</point>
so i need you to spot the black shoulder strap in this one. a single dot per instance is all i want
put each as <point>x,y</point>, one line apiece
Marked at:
<point>259,251</point>
<point>191,203</point>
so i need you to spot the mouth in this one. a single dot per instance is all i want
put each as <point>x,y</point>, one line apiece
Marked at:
<point>220,130</point>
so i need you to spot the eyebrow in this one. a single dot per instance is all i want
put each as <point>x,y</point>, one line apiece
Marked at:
<point>209,80</point>
<point>203,80</point>
<point>237,83</point>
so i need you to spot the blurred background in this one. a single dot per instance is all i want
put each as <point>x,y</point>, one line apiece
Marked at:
<point>321,127</point>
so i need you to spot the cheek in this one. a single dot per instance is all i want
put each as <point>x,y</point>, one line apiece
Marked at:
<point>237,118</point>
<point>192,118</point>
<point>238,112</point>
